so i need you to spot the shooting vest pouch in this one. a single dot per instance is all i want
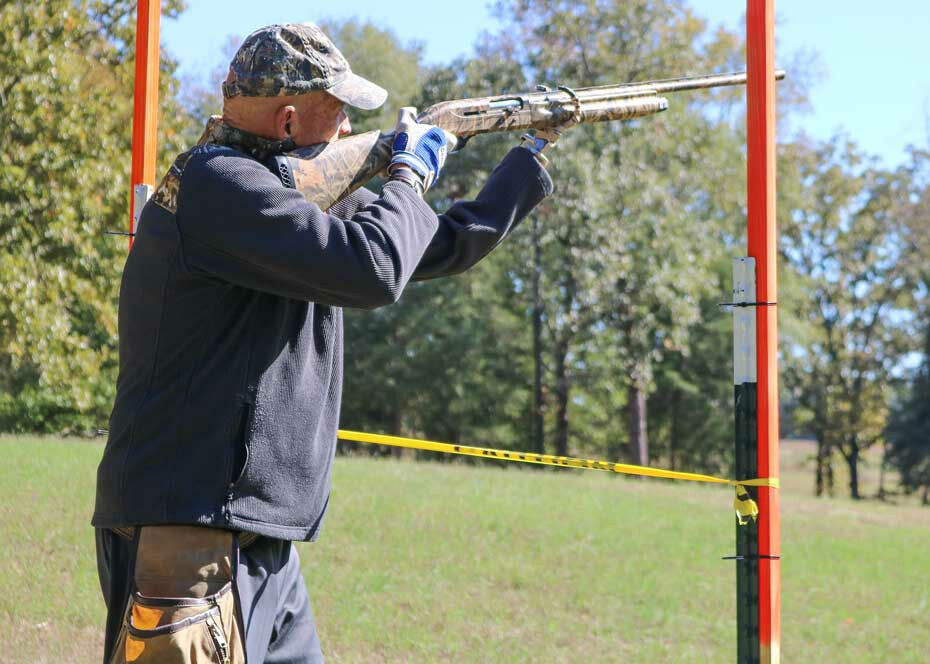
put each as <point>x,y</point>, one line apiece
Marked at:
<point>183,608</point>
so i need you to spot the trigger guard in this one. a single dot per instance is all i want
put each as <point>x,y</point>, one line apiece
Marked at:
<point>460,144</point>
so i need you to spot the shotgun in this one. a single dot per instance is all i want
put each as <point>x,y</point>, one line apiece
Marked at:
<point>328,172</point>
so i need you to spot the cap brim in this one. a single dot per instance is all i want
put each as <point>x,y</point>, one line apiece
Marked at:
<point>359,92</point>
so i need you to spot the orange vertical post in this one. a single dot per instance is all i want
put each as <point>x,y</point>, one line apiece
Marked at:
<point>145,108</point>
<point>760,95</point>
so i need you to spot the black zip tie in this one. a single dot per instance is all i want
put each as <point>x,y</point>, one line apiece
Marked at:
<point>119,233</point>
<point>747,304</point>
<point>751,556</point>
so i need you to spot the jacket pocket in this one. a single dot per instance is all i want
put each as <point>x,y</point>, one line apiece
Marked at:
<point>178,630</point>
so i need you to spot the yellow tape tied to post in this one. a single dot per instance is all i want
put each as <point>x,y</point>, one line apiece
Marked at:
<point>745,507</point>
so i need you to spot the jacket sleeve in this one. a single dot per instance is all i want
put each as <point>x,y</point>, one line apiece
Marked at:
<point>240,224</point>
<point>469,230</point>
<point>352,203</point>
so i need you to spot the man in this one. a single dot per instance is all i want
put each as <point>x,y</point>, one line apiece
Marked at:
<point>223,431</point>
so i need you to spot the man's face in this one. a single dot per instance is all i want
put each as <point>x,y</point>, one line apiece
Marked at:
<point>319,118</point>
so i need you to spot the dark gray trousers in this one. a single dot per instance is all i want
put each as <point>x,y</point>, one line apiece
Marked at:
<point>271,595</point>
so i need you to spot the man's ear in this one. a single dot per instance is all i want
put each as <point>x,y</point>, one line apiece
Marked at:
<point>285,119</point>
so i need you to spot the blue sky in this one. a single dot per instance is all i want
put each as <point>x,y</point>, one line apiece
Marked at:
<point>875,56</point>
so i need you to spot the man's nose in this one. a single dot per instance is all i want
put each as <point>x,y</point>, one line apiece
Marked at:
<point>345,127</point>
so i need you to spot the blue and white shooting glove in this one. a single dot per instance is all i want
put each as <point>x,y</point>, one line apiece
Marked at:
<point>419,151</point>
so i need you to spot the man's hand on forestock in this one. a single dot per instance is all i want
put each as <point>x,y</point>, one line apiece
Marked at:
<point>419,151</point>
<point>542,140</point>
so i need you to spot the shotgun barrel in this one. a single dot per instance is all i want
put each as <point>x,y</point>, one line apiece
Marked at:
<point>326,173</point>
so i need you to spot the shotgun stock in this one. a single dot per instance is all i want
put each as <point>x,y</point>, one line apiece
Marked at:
<point>328,172</point>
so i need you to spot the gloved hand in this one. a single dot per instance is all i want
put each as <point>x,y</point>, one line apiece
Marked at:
<point>420,147</point>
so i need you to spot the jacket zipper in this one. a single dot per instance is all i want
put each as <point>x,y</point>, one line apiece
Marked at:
<point>219,640</point>
<point>244,441</point>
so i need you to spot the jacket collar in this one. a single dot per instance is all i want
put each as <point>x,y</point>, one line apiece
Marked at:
<point>219,133</point>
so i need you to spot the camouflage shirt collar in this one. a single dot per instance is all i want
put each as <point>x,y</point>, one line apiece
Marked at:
<point>259,147</point>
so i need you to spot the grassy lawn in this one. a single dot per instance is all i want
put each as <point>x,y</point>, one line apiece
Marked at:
<point>448,562</point>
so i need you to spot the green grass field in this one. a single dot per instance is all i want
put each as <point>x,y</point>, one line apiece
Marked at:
<point>425,562</point>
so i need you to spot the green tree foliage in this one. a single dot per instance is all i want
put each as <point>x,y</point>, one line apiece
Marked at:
<point>446,361</point>
<point>628,243</point>
<point>691,409</point>
<point>908,433</point>
<point>908,441</point>
<point>842,239</point>
<point>66,73</point>
<point>914,214</point>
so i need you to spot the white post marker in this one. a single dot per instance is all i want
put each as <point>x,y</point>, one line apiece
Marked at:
<point>141,194</point>
<point>744,321</point>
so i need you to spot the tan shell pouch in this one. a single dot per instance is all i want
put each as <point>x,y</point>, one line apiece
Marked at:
<point>183,609</point>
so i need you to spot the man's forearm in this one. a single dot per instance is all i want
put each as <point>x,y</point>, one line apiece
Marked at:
<point>469,230</point>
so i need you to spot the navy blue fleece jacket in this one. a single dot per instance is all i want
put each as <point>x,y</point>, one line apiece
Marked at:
<point>231,343</point>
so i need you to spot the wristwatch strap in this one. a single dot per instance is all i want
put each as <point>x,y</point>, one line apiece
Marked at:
<point>409,178</point>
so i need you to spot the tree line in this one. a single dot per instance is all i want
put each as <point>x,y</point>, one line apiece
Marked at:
<point>594,330</point>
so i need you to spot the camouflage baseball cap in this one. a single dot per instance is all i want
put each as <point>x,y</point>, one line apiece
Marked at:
<point>294,59</point>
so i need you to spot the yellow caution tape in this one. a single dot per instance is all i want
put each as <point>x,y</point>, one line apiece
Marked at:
<point>744,505</point>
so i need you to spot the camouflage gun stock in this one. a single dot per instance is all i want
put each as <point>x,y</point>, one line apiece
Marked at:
<point>328,172</point>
